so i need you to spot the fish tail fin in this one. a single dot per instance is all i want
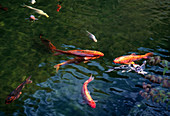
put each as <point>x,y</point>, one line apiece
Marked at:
<point>147,55</point>
<point>56,53</point>
<point>40,36</point>
<point>23,5</point>
<point>88,33</point>
<point>57,67</point>
<point>91,78</point>
<point>28,80</point>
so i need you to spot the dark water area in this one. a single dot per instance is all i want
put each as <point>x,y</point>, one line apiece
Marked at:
<point>121,27</point>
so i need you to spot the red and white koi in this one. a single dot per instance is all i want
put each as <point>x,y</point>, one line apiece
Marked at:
<point>32,18</point>
<point>86,95</point>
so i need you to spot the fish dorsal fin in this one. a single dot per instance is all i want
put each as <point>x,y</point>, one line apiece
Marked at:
<point>133,54</point>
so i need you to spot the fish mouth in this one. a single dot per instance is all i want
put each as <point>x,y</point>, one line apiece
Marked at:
<point>101,54</point>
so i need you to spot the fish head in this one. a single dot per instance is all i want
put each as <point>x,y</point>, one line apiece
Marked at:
<point>32,17</point>
<point>116,60</point>
<point>46,15</point>
<point>9,99</point>
<point>98,54</point>
<point>92,104</point>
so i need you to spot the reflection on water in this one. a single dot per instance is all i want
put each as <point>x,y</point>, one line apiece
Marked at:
<point>121,27</point>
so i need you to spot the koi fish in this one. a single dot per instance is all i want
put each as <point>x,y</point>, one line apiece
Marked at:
<point>76,60</point>
<point>36,10</point>
<point>123,68</point>
<point>129,59</point>
<point>48,43</point>
<point>59,7</point>
<point>139,69</point>
<point>80,53</point>
<point>130,67</point>
<point>15,94</point>
<point>91,36</point>
<point>33,1</point>
<point>3,8</point>
<point>86,95</point>
<point>32,18</point>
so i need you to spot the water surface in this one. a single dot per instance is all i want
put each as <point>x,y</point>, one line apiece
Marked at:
<point>121,27</point>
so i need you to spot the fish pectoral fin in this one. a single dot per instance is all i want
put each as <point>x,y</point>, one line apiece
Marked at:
<point>82,102</point>
<point>133,54</point>
<point>95,100</point>
<point>109,70</point>
<point>57,53</point>
<point>57,67</point>
<point>131,63</point>
<point>86,61</point>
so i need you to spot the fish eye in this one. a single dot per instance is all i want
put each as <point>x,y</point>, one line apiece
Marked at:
<point>9,98</point>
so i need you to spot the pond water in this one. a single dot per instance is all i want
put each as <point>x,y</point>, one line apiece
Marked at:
<point>121,27</point>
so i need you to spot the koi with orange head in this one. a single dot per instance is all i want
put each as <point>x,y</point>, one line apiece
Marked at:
<point>86,95</point>
<point>76,60</point>
<point>82,56</point>
<point>129,59</point>
<point>48,43</point>
<point>15,94</point>
<point>80,53</point>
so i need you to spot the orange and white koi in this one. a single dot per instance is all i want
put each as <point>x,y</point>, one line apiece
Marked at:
<point>129,59</point>
<point>86,95</point>
<point>48,43</point>
<point>15,94</point>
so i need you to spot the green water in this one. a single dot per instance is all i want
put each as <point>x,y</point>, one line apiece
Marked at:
<point>120,26</point>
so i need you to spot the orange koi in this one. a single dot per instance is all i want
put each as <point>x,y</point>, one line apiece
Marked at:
<point>59,7</point>
<point>80,53</point>
<point>48,43</point>
<point>129,59</point>
<point>3,8</point>
<point>15,94</point>
<point>76,60</point>
<point>86,95</point>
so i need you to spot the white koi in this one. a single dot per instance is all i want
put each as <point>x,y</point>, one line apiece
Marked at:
<point>36,10</point>
<point>91,36</point>
<point>33,1</point>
